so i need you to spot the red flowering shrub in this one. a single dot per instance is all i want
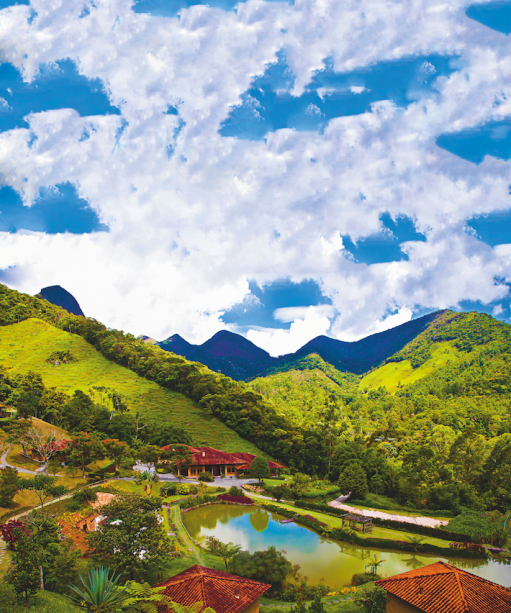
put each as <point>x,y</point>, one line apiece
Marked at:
<point>237,499</point>
<point>9,531</point>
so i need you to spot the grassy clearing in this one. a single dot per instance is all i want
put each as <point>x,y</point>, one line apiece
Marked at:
<point>394,374</point>
<point>43,602</point>
<point>27,345</point>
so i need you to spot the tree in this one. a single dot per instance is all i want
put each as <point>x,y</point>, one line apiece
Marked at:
<point>64,568</point>
<point>223,550</point>
<point>299,484</point>
<point>377,482</point>
<point>24,574</point>
<point>8,485</point>
<point>317,604</point>
<point>270,566</point>
<point>116,450</point>
<point>132,539</point>
<point>84,449</point>
<point>17,435</point>
<point>44,487</point>
<point>99,591</point>
<point>259,469</point>
<point>353,479</point>
<point>373,601</point>
<point>279,492</point>
<point>374,564</point>
<point>497,474</point>
<point>147,480</point>
<point>149,455</point>
<point>177,456</point>
<point>43,442</point>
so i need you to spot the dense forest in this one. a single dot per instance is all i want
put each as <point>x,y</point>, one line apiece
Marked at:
<point>441,441</point>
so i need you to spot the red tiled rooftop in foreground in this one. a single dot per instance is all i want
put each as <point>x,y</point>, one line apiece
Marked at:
<point>222,592</point>
<point>441,588</point>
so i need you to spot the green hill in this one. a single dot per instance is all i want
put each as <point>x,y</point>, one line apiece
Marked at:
<point>27,346</point>
<point>301,389</point>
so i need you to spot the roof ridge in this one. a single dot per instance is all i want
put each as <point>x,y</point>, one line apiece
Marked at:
<point>462,594</point>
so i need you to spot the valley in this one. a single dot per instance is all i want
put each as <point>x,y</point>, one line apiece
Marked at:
<point>415,422</point>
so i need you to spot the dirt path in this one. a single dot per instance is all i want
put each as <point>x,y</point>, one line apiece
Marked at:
<point>421,521</point>
<point>175,518</point>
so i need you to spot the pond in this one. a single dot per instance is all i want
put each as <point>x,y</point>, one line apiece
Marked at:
<point>256,529</point>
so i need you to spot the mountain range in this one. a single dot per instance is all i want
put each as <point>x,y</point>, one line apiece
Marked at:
<point>235,356</point>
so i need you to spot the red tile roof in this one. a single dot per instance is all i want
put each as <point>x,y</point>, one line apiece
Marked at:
<point>222,592</point>
<point>442,588</point>
<point>207,456</point>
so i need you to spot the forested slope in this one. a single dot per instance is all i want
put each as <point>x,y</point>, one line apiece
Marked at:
<point>246,412</point>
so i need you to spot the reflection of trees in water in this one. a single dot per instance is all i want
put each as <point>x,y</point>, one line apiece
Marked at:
<point>208,517</point>
<point>259,520</point>
<point>413,562</point>
<point>467,563</point>
<point>362,553</point>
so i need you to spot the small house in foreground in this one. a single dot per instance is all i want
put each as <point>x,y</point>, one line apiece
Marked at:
<point>222,592</point>
<point>218,462</point>
<point>442,588</point>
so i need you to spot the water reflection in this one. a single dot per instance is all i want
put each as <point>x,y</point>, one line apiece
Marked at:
<point>319,558</point>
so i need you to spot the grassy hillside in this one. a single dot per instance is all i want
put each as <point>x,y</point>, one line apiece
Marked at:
<point>27,345</point>
<point>395,375</point>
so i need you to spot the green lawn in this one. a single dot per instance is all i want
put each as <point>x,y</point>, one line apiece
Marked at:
<point>27,345</point>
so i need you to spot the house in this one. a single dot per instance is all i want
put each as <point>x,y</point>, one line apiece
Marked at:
<point>442,588</point>
<point>218,462</point>
<point>6,410</point>
<point>222,592</point>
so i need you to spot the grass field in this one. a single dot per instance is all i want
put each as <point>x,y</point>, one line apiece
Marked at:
<point>394,374</point>
<point>27,345</point>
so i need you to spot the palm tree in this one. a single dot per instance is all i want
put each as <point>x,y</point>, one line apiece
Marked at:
<point>374,564</point>
<point>100,593</point>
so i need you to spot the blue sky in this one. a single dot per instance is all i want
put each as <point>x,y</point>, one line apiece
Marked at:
<point>279,169</point>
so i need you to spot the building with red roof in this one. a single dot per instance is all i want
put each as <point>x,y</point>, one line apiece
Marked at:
<point>442,588</point>
<point>222,592</point>
<point>218,462</point>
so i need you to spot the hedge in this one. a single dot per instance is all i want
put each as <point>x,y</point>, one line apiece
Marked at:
<point>390,523</point>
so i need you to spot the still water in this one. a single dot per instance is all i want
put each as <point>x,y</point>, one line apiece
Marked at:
<point>319,558</point>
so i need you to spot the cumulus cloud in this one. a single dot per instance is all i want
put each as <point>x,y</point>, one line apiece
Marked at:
<point>280,342</point>
<point>193,215</point>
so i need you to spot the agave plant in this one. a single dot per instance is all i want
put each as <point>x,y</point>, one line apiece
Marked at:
<point>100,593</point>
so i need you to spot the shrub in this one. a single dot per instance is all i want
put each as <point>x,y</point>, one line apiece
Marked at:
<point>205,475</point>
<point>361,578</point>
<point>235,491</point>
<point>193,489</point>
<point>168,490</point>
<point>221,490</point>
<point>182,489</point>
<point>9,531</point>
<point>236,499</point>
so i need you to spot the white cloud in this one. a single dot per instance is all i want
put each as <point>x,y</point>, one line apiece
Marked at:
<point>289,314</point>
<point>187,232</point>
<point>280,342</point>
